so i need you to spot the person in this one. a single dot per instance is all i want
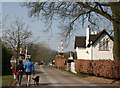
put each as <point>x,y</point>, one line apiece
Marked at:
<point>13,68</point>
<point>29,69</point>
<point>19,72</point>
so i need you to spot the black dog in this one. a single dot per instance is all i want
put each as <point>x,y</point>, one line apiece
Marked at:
<point>36,80</point>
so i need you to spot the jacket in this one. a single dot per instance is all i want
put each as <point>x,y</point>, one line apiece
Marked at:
<point>29,67</point>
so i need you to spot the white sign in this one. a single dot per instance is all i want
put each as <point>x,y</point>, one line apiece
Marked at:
<point>28,56</point>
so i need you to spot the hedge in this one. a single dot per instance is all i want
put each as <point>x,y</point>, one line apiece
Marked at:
<point>60,62</point>
<point>105,68</point>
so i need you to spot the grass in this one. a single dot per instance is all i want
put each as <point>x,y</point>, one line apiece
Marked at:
<point>79,74</point>
<point>6,81</point>
<point>76,74</point>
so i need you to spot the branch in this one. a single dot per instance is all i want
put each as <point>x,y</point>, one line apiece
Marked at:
<point>108,16</point>
<point>104,4</point>
<point>10,43</point>
<point>80,15</point>
<point>11,37</point>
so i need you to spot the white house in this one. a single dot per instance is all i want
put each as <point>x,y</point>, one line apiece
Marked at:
<point>94,46</point>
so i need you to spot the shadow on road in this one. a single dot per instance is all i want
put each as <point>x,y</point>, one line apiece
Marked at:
<point>38,72</point>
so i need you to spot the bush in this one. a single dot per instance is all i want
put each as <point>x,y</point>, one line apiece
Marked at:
<point>60,62</point>
<point>6,55</point>
<point>104,68</point>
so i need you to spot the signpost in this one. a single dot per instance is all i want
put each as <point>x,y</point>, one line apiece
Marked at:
<point>28,56</point>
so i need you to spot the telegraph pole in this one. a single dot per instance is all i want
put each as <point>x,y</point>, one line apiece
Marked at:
<point>26,53</point>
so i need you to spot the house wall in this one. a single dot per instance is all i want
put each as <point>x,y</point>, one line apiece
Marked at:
<point>97,54</point>
<point>82,53</point>
<point>93,53</point>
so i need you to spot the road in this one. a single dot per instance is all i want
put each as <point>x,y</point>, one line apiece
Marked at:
<point>51,77</point>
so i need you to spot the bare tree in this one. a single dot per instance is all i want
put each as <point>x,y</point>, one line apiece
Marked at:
<point>16,35</point>
<point>40,52</point>
<point>71,12</point>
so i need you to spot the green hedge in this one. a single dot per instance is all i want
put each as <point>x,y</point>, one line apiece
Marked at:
<point>6,55</point>
<point>104,68</point>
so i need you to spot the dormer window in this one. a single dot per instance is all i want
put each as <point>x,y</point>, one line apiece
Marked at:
<point>103,45</point>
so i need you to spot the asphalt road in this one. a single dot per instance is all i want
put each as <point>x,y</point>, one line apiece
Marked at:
<point>51,77</point>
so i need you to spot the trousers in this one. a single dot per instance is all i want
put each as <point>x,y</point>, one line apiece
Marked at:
<point>19,79</point>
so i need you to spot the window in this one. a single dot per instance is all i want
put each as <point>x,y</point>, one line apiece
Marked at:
<point>103,45</point>
<point>107,48</point>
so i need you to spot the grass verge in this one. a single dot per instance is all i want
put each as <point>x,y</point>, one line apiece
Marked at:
<point>76,74</point>
<point>6,81</point>
<point>79,74</point>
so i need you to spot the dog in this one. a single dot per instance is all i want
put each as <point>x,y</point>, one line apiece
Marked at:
<point>36,80</point>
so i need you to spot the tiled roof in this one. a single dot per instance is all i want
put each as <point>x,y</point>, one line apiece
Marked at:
<point>98,35</point>
<point>80,41</point>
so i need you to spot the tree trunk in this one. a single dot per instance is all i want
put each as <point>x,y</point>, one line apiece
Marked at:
<point>115,7</point>
<point>116,47</point>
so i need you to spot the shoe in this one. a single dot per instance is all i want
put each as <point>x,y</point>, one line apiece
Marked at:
<point>18,85</point>
<point>27,84</point>
<point>14,76</point>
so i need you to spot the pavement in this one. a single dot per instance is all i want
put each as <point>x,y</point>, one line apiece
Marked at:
<point>91,79</point>
<point>101,80</point>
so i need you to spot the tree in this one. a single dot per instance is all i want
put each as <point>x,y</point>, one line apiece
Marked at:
<point>74,11</point>
<point>6,55</point>
<point>40,52</point>
<point>17,35</point>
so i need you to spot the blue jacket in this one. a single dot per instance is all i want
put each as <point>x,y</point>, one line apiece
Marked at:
<point>29,67</point>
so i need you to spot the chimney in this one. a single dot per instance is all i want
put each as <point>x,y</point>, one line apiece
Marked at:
<point>93,33</point>
<point>87,35</point>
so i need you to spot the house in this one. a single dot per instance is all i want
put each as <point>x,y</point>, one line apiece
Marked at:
<point>94,46</point>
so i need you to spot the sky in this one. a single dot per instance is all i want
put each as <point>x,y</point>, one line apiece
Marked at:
<point>51,38</point>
